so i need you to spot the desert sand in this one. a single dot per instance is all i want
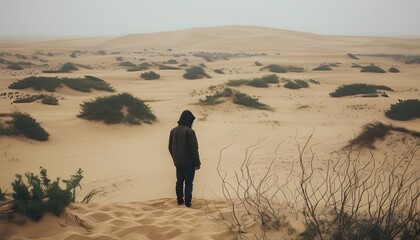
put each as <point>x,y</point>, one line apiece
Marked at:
<point>131,165</point>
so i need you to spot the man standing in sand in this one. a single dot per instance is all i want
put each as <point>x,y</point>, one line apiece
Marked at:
<point>183,147</point>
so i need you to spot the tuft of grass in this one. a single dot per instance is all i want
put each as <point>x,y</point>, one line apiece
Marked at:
<point>143,66</point>
<point>23,124</point>
<point>358,88</point>
<point>110,110</point>
<point>50,84</point>
<point>50,100</point>
<point>166,67</point>
<point>196,72</point>
<point>150,75</point>
<point>404,110</point>
<point>376,131</point>
<point>372,69</point>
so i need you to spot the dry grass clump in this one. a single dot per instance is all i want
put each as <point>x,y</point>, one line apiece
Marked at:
<point>393,70</point>
<point>150,75</point>
<point>262,82</point>
<point>375,131</point>
<point>45,99</point>
<point>324,67</point>
<point>295,84</point>
<point>352,56</point>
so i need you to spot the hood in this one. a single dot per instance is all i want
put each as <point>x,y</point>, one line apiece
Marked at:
<point>186,118</point>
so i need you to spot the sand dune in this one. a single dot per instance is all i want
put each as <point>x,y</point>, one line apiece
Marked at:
<point>131,165</point>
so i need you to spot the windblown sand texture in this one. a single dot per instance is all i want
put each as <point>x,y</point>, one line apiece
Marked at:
<point>131,165</point>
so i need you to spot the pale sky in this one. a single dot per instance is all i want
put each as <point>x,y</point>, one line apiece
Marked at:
<point>397,18</point>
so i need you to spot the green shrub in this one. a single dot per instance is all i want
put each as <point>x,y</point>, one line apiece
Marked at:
<point>257,83</point>
<point>50,84</point>
<point>248,101</point>
<point>65,68</point>
<point>172,61</point>
<point>150,75</point>
<point>108,109</point>
<point>292,85</point>
<point>352,56</point>
<point>355,89</point>
<point>219,71</point>
<point>322,68</point>
<point>166,67</point>
<point>212,99</point>
<point>282,69</point>
<point>394,70</point>
<point>404,110</point>
<point>29,127</point>
<point>196,72</point>
<point>272,78</point>
<point>296,84</point>
<point>236,83</point>
<point>143,66</point>
<point>50,100</point>
<point>29,197</point>
<point>127,64</point>
<point>30,99</point>
<point>14,66</point>
<point>372,69</point>
<point>23,124</point>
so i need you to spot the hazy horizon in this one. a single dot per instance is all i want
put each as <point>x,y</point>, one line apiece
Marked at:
<point>52,18</point>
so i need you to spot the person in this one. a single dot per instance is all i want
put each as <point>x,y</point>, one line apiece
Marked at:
<point>183,147</point>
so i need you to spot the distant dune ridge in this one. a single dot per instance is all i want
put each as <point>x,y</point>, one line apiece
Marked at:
<point>129,164</point>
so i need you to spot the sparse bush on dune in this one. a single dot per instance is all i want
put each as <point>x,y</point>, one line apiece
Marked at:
<point>127,64</point>
<point>45,99</point>
<point>39,194</point>
<point>354,65</point>
<point>110,110</point>
<point>258,64</point>
<point>172,61</point>
<point>14,66</point>
<point>196,72</point>
<point>143,66</point>
<point>237,97</point>
<point>50,100</point>
<point>166,67</point>
<point>150,75</point>
<point>372,69</point>
<point>324,67</point>
<point>50,84</point>
<point>219,71</point>
<point>257,83</point>
<point>360,88</point>
<point>404,110</point>
<point>352,56</point>
<point>393,70</point>
<point>236,83</point>
<point>65,68</point>
<point>282,69</point>
<point>271,78</point>
<point>22,124</point>
<point>295,84</point>
<point>248,101</point>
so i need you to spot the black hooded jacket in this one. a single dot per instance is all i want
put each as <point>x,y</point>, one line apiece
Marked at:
<point>183,144</point>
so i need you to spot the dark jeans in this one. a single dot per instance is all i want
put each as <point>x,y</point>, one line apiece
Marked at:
<point>184,175</point>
